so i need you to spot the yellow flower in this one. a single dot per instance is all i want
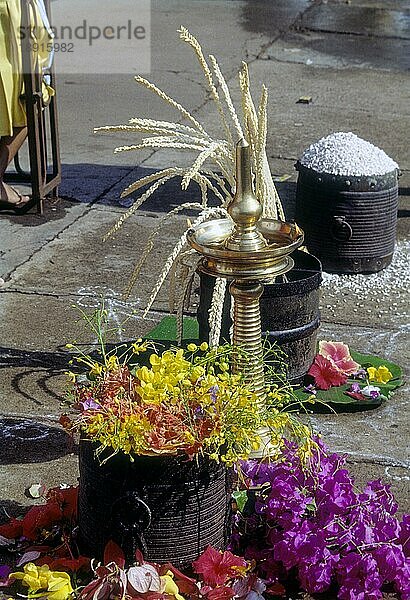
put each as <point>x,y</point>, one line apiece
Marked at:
<point>59,586</point>
<point>192,347</point>
<point>381,374</point>
<point>305,450</point>
<point>256,443</point>
<point>71,376</point>
<point>155,360</point>
<point>139,346</point>
<point>33,577</point>
<point>41,578</point>
<point>112,363</point>
<point>145,375</point>
<point>96,369</point>
<point>188,437</point>
<point>168,586</point>
<point>204,347</point>
<point>196,373</point>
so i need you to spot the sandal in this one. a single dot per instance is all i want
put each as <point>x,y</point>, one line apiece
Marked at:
<point>20,207</point>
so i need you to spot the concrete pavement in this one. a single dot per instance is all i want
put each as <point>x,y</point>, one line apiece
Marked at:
<point>352,58</point>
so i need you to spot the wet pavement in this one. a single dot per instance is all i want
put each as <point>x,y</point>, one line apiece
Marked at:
<point>353,59</point>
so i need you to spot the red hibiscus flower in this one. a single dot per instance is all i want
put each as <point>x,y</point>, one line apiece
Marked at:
<point>71,565</point>
<point>221,593</point>
<point>41,517</point>
<point>12,530</point>
<point>325,374</point>
<point>67,498</point>
<point>217,567</point>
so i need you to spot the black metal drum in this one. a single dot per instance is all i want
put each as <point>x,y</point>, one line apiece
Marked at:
<point>349,222</point>
<point>168,507</point>
<point>289,312</point>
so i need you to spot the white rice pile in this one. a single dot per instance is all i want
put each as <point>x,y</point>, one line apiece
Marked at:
<point>347,154</point>
<point>381,293</point>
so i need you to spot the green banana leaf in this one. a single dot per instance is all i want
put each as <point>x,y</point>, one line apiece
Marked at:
<point>336,400</point>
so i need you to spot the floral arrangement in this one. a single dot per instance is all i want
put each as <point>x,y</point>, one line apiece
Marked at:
<point>179,401</point>
<point>213,168</point>
<point>44,541</point>
<point>313,525</point>
<point>220,576</point>
<point>339,376</point>
<point>217,576</point>
<point>298,524</point>
<point>53,568</point>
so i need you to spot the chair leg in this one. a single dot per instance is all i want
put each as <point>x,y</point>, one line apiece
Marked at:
<point>44,179</point>
<point>18,167</point>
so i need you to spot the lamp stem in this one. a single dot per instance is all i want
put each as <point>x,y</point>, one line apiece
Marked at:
<point>247,333</point>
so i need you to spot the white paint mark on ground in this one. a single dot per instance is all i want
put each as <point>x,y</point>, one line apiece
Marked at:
<point>390,475</point>
<point>118,311</point>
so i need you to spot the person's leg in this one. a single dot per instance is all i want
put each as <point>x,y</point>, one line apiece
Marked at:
<point>9,146</point>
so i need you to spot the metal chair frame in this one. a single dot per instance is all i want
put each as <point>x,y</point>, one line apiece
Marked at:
<point>44,176</point>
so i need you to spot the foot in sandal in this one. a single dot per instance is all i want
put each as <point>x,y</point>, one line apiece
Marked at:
<point>11,199</point>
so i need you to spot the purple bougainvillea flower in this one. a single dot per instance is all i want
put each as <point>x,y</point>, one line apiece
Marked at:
<point>4,575</point>
<point>317,576</point>
<point>404,536</point>
<point>378,494</point>
<point>390,559</point>
<point>313,524</point>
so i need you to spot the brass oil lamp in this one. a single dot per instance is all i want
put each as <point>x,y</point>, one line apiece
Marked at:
<point>247,250</point>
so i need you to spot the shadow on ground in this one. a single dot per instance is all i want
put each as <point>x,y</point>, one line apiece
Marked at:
<point>103,184</point>
<point>54,361</point>
<point>24,441</point>
<point>87,183</point>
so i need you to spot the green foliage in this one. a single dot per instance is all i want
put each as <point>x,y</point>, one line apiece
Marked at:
<point>335,399</point>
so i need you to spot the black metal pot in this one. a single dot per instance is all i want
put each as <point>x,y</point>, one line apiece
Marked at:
<point>289,312</point>
<point>349,222</point>
<point>168,507</point>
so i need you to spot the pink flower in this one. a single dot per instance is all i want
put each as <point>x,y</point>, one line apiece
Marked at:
<point>217,568</point>
<point>325,373</point>
<point>339,354</point>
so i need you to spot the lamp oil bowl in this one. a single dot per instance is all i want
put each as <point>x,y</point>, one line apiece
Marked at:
<point>272,259</point>
<point>245,246</point>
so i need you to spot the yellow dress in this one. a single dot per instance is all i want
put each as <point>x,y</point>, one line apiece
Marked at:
<point>12,112</point>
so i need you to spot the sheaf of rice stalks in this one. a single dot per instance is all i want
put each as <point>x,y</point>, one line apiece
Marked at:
<point>213,168</point>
